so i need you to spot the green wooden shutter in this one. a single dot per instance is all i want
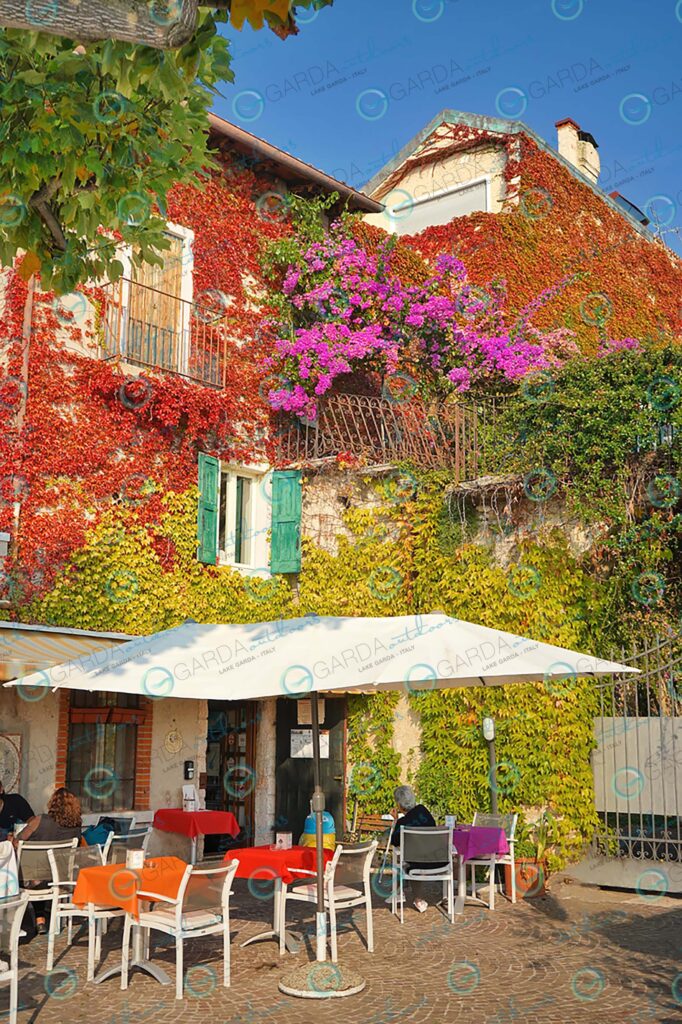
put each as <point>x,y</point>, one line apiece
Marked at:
<point>285,542</point>
<point>209,493</point>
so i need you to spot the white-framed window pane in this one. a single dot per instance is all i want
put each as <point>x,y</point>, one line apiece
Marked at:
<point>223,524</point>
<point>243,541</point>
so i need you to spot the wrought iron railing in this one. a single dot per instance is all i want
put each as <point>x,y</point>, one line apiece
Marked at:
<point>151,328</point>
<point>381,431</point>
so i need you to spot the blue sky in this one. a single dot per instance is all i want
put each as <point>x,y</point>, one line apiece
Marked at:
<point>364,76</point>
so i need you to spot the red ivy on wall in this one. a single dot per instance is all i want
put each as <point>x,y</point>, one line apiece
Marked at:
<point>93,437</point>
<point>556,226</point>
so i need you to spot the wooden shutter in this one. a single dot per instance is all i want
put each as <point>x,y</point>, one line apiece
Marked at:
<point>209,489</point>
<point>285,543</point>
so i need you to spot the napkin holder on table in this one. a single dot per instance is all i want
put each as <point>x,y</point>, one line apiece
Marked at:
<point>284,840</point>
<point>135,859</point>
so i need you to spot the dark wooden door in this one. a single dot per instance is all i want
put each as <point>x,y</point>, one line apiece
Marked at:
<point>294,776</point>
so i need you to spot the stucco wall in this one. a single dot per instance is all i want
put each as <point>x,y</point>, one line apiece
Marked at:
<point>456,169</point>
<point>37,722</point>
<point>264,796</point>
<point>178,735</point>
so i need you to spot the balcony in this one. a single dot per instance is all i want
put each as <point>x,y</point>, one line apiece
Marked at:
<point>380,431</point>
<point>160,331</point>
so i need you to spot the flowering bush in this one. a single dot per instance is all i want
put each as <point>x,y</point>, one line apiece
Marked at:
<point>349,308</point>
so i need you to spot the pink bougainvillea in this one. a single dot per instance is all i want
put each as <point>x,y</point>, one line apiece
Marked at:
<point>350,309</point>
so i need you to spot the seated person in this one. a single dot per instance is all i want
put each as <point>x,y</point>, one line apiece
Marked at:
<point>61,822</point>
<point>13,810</point>
<point>414,815</point>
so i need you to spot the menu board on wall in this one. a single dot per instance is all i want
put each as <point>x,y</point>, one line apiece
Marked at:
<point>10,761</point>
<point>302,743</point>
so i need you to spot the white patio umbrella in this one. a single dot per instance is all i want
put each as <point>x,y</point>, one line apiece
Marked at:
<point>297,657</point>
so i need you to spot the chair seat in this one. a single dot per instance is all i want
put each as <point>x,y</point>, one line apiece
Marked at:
<point>341,892</point>
<point>192,919</point>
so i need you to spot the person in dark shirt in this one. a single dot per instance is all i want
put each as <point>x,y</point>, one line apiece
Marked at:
<point>414,816</point>
<point>13,810</point>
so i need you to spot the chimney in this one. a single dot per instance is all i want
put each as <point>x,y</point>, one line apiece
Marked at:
<point>578,147</point>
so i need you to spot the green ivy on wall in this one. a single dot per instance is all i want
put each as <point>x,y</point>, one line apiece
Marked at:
<point>395,561</point>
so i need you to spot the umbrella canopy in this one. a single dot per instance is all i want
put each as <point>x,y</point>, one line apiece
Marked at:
<point>297,656</point>
<point>294,657</point>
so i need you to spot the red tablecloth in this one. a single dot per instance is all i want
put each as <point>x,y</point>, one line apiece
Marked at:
<point>267,862</point>
<point>196,823</point>
<point>472,841</point>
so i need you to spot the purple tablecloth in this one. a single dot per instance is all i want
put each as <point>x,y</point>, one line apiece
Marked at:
<point>475,841</point>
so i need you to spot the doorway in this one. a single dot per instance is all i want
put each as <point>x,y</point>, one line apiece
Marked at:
<point>294,773</point>
<point>230,771</point>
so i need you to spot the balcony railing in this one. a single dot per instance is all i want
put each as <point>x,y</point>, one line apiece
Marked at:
<point>150,328</point>
<point>380,431</point>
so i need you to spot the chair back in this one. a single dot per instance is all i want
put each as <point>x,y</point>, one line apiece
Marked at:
<point>9,872</point>
<point>117,846</point>
<point>351,864</point>
<point>66,864</point>
<point>206,889</point>
<point>123,825</point>
<point>426,845</point>
<point>34,860</point>
<point>505,821</point>
<point>11,918</point>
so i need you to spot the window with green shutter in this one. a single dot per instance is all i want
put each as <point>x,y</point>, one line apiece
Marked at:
<point>285,537</point>
<point>209,487</point>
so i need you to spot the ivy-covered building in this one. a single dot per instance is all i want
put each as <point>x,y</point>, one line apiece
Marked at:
<point>201,441</point>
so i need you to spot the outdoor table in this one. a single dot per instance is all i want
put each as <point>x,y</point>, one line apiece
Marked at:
<point>115,885</point>
<point>472,842</point>
<point>268,863</point>
<point>196,823</point>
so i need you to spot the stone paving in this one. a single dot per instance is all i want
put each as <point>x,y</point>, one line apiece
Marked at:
<point>577,955</point>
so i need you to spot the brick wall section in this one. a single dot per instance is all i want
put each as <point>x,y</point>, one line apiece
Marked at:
<point>62,739</point>
<point>143,753</point>
<point>143,756</point>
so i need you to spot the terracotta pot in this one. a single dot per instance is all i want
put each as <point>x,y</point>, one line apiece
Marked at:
<point>531,879</point>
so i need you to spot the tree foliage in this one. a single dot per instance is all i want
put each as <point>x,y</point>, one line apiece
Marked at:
<point>92,138</point>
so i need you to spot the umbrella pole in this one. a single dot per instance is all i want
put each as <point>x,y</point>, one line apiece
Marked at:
<point>318,808</point>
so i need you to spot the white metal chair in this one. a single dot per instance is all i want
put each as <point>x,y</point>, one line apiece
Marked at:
<point>9,871</point>
<point>117,844</point>
<point>347,883</point>
<point>65,867</point>
<point>202,907</point>
<point>431,845</point>
<point>14,909</point>
<point>35,867</point>
<point>508,823</point>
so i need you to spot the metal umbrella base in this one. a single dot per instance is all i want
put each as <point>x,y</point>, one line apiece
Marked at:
<point>322,980</point>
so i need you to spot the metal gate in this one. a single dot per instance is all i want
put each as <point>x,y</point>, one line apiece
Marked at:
<point>637,767</point>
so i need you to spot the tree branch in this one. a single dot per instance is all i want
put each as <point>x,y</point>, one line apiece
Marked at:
<point>40,201</point>
<point>130,21</point>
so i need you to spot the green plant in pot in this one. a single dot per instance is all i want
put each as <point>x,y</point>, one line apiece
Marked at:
<point>533,848</point>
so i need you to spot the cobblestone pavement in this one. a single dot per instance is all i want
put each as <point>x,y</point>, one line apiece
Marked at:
<point>576,955</point>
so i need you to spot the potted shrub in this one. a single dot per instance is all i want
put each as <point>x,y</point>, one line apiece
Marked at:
<point>531,857</point>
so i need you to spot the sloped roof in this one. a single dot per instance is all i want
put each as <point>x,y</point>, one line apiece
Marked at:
<point>289,167</point>
<point>496,126</point>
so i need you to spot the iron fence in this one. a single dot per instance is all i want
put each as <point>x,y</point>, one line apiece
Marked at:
<point>378,431</point>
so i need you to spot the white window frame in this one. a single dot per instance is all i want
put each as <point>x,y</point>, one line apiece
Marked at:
<point>261,517</point>
<point>485,179</point>
<point>186,291</point>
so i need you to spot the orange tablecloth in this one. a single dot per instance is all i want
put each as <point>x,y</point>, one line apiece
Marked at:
<point>115,885</point>
<point>267,862</point>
